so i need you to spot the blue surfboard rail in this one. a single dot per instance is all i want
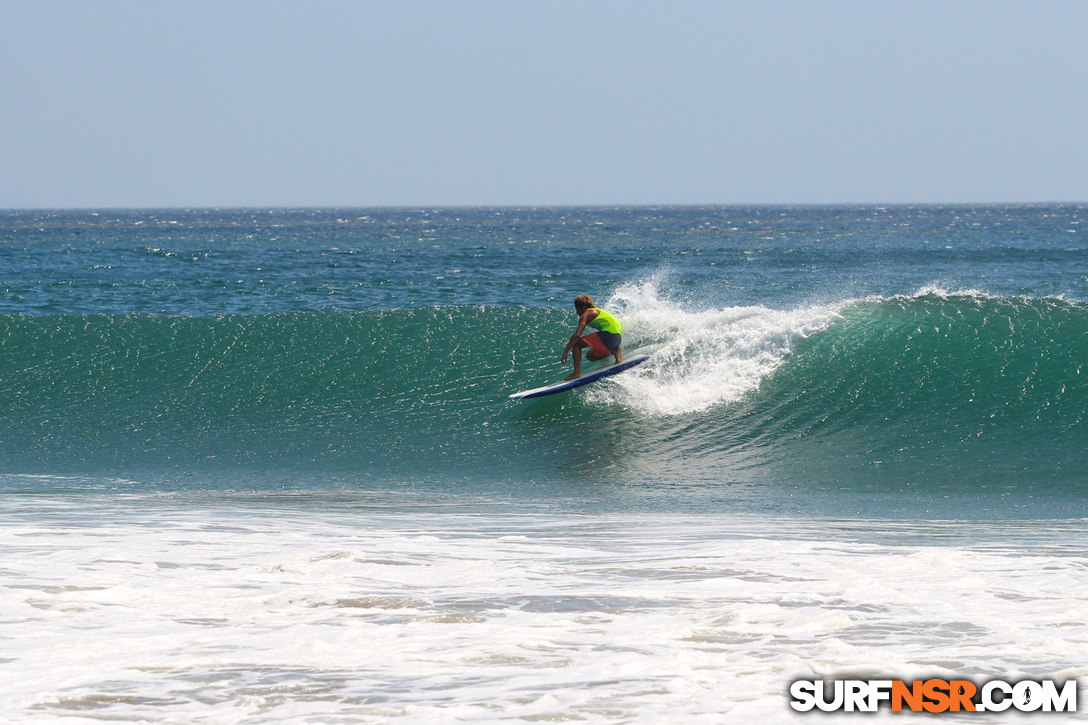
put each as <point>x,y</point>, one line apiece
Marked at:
<point>579,382</point>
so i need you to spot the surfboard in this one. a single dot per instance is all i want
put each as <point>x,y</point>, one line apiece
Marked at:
<point>579,382</point>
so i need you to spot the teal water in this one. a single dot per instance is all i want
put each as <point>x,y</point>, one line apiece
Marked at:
<point>896,361</point>
<point>261,465</point>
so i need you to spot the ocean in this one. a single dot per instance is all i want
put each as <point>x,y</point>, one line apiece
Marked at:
<point>261,465</point>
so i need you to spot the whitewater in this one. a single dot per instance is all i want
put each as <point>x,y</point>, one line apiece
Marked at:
<point>260,465</point>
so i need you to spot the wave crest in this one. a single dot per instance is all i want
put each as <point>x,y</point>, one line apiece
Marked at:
<point>705,358</point>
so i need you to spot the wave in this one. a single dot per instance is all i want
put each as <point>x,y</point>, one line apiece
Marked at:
<point>705,358</point>
<point>268,390</point>
<point>937,389</point>
<point>932,389</point>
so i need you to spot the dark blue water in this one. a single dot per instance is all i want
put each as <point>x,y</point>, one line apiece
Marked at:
<point>209,262</point>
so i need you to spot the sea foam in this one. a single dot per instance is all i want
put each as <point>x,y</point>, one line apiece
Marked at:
<point>166,614</point>
<point>702,358</point>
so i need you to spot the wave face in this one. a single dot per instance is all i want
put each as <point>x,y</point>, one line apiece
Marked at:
<point>960,388</point>
<point>380,389</point>
<point>933,390</point>
<point>947,391</point>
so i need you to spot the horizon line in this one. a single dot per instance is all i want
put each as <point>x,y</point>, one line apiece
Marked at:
<point>420,207</point>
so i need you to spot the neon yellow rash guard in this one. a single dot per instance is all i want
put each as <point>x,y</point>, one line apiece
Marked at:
<point>605,321</point>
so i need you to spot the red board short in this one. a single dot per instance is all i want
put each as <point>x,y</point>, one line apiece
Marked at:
<point>602,343</point>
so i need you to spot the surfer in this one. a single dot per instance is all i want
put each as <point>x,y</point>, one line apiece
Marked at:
<point>602,343</point>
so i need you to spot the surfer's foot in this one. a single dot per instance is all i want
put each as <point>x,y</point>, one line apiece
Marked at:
<point>572,376</point>
<point>618,353</point>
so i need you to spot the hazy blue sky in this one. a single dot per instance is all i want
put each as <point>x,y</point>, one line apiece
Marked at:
<point>481,102</point>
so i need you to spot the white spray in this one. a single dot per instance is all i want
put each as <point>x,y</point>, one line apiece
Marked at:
<point>701,358</point>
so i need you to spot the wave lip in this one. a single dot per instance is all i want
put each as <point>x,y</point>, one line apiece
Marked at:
<point>707,358</point>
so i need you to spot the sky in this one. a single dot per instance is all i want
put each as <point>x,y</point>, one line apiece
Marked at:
<point>331,103</point>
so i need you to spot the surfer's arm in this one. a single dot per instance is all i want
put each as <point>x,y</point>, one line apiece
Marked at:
<point>582,320</point>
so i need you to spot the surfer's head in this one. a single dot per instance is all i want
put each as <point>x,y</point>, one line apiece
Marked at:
<point>583,303</point>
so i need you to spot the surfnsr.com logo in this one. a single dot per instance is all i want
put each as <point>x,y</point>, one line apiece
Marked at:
<point>933,695</point>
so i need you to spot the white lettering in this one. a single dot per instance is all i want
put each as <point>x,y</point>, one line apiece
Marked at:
<point>879,690</point>
<point>1027,696</point>
<point>1065,701</point>
<point>804,695</point>
<point>835,703</point>
<point>988,696</point>
<point>857,696</point>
